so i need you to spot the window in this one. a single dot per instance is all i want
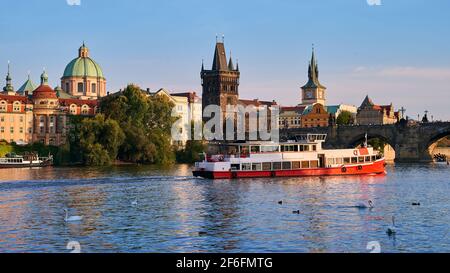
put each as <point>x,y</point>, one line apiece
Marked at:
<point>67,87</point>
<point>16,106</point>
<point>246,167</point>
<point>296,165</point>
<point>267,166</point>
<point>361,159</point>
<point>2,118</point>
<point>80,87</point>
<point>269,149</point>
<point>287,165</point>
<point>94,88</point>
<point>21,119</point>
<point>367,158</point>
<point>305,164</point>
<point>2,129</point>
<point>11,130</point>
<point>73,109</point>
<point>235,167</point>
<point>85,109</point>
<point>256,166</point>
<point>3,106</point>
<point>354,160</point>
<point>314,164</point>
<point>255,149</point>
<point>276,166</point>
<point>347,160</point>
<point>21,130</point>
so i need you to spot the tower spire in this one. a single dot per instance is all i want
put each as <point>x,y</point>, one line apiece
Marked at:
<point>220,58</point>
<point>230,63</point>
<point>8,87</point>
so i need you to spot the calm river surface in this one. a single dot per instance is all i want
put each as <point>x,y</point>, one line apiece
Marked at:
<point>179,213</point>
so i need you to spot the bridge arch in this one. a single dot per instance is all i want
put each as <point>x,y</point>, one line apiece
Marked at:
<point>388,150</point>
<point>432,144</point>
<point>359,139</point>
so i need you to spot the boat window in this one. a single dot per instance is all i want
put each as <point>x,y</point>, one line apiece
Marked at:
<point>304,148</point>
<point>314,164</point>
<point>289,148</point>
<point>255,149</point>
<point>235,167</point>
<point>256,166</point>
<point>246,167</point>
<point>267,166</point>
<point>269,149</point>
<point>361,159</point>
<point>367,158</point>
<point>296,165</point>
<point>373,158</point>
<point>331,161</point>
<point>347,160</point>
<point>339,161</point>
<point>314,147</point>
<point>354,160</point>
<point>277,166</point>
<point>305,164</point>
<point>286,165</point>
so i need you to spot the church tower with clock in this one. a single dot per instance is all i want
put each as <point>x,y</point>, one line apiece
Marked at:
<point>313,92</point>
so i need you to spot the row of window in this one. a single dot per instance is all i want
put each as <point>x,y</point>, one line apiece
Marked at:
<point>352,160</point>
<point>11,130</point>
<point>11,119</point>
<point>280,148</point>
<point>276,166</point>
<point>297,165</point>
<point>80,87</point>
<point>16,106</point>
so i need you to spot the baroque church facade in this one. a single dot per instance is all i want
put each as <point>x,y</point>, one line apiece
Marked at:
<point>40,113</point>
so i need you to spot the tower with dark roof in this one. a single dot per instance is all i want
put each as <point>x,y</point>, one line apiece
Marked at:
<point>313,92</point>
<point>9,89</point>
<point>221,83</point>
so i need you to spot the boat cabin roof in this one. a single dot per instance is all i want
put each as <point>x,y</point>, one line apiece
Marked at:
<point>300,139</point>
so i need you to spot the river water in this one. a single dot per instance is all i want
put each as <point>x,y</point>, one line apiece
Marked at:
<point>178,213</point>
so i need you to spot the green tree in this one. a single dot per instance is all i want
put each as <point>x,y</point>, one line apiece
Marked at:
<point>345,118</point>
<point>99,140</point>
<point>146,122</point>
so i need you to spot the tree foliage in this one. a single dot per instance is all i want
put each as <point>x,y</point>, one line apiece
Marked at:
<point>99,140</point>
<point>146,122</point>
<point>345,118</point>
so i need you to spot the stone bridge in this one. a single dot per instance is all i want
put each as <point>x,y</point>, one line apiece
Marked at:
<point>412,143</point>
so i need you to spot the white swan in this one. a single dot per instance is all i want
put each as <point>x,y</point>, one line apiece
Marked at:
<point>392,230</point>
<point>68,218</point>
<point>364,206</point>
<point>134,203</point>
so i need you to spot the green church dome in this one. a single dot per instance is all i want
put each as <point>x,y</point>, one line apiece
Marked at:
<point>83,66</point>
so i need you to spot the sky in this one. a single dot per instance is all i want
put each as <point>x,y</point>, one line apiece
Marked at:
<point>396,52</point>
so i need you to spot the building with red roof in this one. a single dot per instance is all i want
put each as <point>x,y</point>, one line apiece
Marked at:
<point>370,113</point>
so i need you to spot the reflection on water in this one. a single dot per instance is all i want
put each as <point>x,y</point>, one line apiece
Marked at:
<point>179,213</point>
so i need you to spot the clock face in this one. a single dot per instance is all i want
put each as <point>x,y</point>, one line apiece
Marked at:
<point>309,94</point>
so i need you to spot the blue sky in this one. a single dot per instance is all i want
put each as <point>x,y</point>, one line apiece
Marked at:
<point>398,52</point>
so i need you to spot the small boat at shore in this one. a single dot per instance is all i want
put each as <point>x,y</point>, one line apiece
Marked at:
<point>28,160</point>
<point>303,157</point>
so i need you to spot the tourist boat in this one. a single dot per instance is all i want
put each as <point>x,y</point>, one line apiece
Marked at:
<point>25,161</point>
<point>302,157</point>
